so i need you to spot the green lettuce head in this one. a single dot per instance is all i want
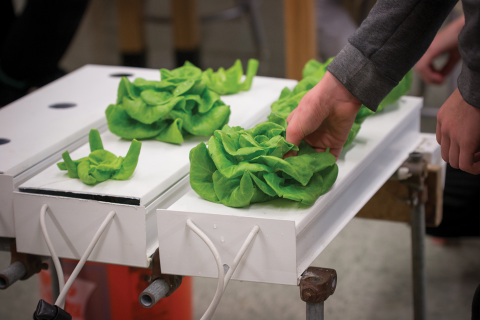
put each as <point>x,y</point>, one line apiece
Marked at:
<point>240,167</point>
<point>185,101</point>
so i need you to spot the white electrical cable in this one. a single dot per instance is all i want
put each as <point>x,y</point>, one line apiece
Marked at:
<point>61,297</point>
<point>240,254</point>
<point>63,287</point>
<point>222,278</point>
<point>221,273</point>
<point>56,261</point>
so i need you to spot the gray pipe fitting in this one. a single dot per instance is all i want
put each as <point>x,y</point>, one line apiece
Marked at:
<point>10,275</point>
<point>157,290</point>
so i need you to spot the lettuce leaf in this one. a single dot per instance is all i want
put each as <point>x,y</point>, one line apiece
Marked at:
<point>101,165</point>
<point>229,81</point>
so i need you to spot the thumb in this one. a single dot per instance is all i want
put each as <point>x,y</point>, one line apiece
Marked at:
<point>300,124</point>
<point>295,132</point>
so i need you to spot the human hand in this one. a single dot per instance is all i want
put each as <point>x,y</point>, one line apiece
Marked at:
<point>446,42</point>
<point>323,117</point>
<point>458,133</point>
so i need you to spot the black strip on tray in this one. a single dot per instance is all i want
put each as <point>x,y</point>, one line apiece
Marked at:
<point>86,196</point>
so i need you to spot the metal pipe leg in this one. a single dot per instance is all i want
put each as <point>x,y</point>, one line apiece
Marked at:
<point>315,311</point>
<point>416,167</point>
<point>418,260</point>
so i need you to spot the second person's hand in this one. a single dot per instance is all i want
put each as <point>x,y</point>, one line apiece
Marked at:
<point>323,117</point>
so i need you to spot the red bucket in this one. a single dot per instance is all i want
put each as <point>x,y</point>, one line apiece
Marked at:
<point>111,292</point>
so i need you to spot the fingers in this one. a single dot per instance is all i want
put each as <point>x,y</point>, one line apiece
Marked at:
<point>301,122</point>
<point>454,155</point>
<point>438,132</point>
<point>445,147</point>
<point>289,121</point>
<point>453,58</point>
<point>290,154</point>
<point>294,134</point>
<point>476,157</point>
<point>290,116</point>
<point>463,158</point>
<point>335,151</point>
<point>469,162</point>
<point>433,76</point>
<point>429,74</point>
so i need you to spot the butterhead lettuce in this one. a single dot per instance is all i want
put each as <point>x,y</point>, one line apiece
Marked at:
<point>239,167</point>
<point>185,101</point>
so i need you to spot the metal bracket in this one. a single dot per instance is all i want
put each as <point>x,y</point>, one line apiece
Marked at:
<point>161,285</point>
<point>173,281</point>
<point>316,285</point>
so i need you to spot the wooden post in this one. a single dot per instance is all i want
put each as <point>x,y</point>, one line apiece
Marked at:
<point>186,31</point>
<point>300,35</point>
<point>131,31</point>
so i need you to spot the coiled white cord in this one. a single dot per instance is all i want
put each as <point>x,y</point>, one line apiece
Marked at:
<point>222,278</point>
<point>62,286</point>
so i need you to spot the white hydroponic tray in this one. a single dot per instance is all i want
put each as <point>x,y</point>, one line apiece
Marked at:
<point>291,235</point>
<point>76,210</point>
<point>39,133</point>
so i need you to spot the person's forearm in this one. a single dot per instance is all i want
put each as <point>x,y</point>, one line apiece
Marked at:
<point>469,45</point>
<point>387,45</point>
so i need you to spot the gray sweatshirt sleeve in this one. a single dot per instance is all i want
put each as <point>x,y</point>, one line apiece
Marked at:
<point>387,45</point>
<point>469,45</point>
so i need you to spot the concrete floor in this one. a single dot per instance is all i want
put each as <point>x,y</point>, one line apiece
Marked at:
<point>372,258</point>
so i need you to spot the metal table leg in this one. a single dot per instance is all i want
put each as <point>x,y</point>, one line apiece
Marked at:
<point>417,173</point>
<point>315,311</point>
<point>418,261</point>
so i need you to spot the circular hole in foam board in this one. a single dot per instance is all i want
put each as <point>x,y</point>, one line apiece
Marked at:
<point>62,105</point>
<point>121,74</point>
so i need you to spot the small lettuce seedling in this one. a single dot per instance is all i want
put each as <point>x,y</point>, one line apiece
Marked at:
<point>101,165</point>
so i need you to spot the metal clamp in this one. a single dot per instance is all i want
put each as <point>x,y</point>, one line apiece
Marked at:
<point>316,285</point>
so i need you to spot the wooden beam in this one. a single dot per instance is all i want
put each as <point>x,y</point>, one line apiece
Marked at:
<point>387,203</point>
<point>185,24</point>
<point>131,27</point>
<point>300,35</point>
<point>186,31</point>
